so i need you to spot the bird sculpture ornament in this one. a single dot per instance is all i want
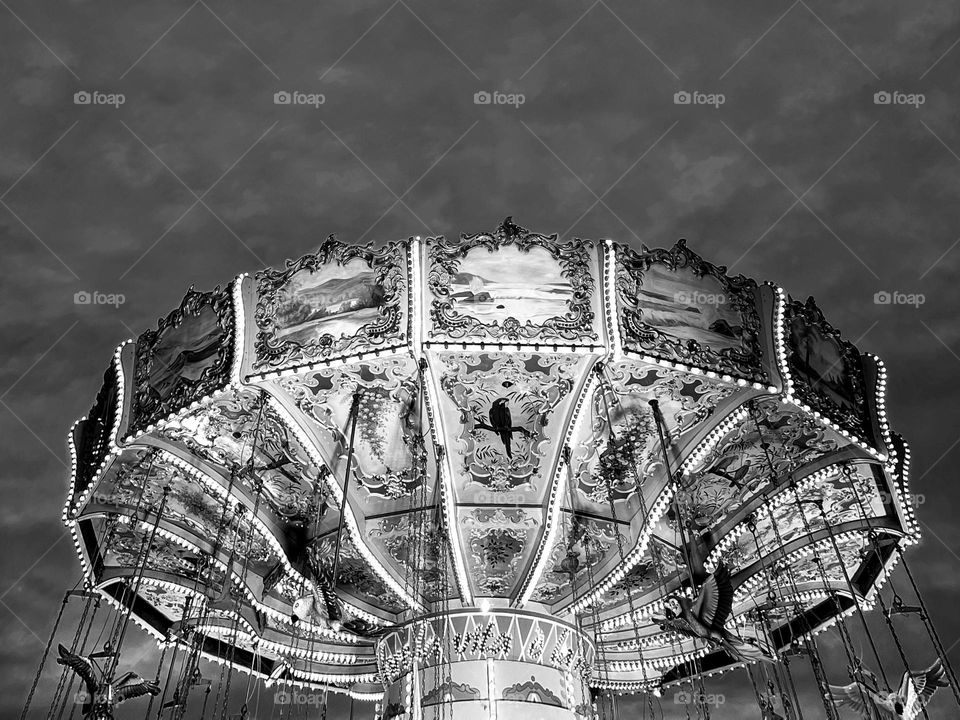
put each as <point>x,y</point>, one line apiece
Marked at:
<point>100,694</point>
<point>704,618</point>
<point>911,697</point>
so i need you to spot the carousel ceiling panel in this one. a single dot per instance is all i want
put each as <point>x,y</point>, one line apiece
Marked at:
<point>171,600</point>
<point>239,434</point>
<point>499,543</point>
<point>738,467</point>
<point>822,568</point>
<point>502,419</point>
<point>513,286</point>
<point>134,483</point>
<point>778,611</point>
<point>504,416</point>
<point>616,441</point>
<point>340,300</point>
<point>387,469</point>
<point>788,516</point>
<point>675,306</point>
<point>826,371</point>
<point>616,462</point>
<point>660,568</point>
<point>188,357</point>
<point>570,569</point>
<point>354,577</point>
<point>416,542</point>
<point>126,548</point>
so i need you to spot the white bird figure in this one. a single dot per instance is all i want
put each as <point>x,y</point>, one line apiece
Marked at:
<point>319,607</point>
<point>101,694</point>
<point>915,691</point>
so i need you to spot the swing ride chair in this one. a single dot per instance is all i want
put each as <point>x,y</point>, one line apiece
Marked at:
<point>490,475</point>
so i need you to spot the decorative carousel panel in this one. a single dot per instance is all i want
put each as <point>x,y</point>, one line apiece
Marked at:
<point>778,609</point>
<point>279,633</point>
<point>244,438</point>
<point>583,544</point>
<point>171,600</point>
<point>648,580</point>
<point>389,441</point>
<point>340,300</point>
<point>823,567</point>
<point>416,544</point>
<point>513,286</point>
<point>125,545</point>
<point>498,544</point>
<point>354,576</point>
<point>738,467</point>
<point>616,441</point>
<point>93,436</point>
<point>504,416</point>
<point>826,371</point>
<point>844,495</point>
<point>187,357</point>
<point>675,306</point>
<point>135,482</point>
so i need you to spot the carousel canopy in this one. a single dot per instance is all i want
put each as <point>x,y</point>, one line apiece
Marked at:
<point>505,421</point>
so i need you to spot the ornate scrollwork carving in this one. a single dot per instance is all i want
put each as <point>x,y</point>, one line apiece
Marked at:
<point>574,260</point>
<point>185,359</point>
<point>724,346</point>
<point>292,329</point>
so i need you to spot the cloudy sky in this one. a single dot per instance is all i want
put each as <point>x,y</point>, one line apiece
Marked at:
<point>797,176</point>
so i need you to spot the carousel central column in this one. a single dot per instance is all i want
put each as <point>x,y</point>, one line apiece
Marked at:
<point>501,664</point>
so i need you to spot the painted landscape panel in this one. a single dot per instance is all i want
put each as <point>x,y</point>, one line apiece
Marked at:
<point>681,305</point>
<point>335,300</point>
<point>818,359</point>
<point>185,351</point>
<point>527,286</point>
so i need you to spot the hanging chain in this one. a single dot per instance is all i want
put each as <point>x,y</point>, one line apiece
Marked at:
<point>43,658</point>
<point>655,550</point>
<point>931,630</point>
<point>872,536</point>
<point>846,641</point>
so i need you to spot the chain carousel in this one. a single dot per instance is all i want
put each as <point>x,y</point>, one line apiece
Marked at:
<point>485,477</point>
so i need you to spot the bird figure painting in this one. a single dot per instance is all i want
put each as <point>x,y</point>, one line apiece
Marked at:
<point>100,694</point>
<point>704,619</point>
<point>501,425</point>
<point>915,691</point>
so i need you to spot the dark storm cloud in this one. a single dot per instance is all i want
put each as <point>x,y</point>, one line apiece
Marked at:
<point>798,178</point>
